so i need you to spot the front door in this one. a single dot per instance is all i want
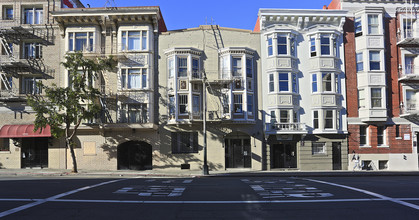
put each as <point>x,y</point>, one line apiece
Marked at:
<point>336,156</point>
<point>34,152</point>
<point>284,155</point>
<point>237,153</point>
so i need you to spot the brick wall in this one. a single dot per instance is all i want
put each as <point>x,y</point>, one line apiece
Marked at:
<point>390,25</point>
<point>395,144</point>
<point>350,68</point>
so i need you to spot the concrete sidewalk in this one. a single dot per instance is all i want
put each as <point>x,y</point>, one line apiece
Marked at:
<point>198,173</point>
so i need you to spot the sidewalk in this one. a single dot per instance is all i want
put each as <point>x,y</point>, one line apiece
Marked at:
<point>189,173</point>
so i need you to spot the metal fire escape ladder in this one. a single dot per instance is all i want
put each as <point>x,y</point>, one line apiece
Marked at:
<point>217,36</point>
<point>105,110</point>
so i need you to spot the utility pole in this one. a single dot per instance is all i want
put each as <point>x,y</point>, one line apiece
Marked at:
<point>204,124</point>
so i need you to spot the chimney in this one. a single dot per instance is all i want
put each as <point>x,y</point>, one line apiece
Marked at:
<point>324,7</point>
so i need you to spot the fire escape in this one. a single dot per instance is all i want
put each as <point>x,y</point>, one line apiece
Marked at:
<point>13,64</point>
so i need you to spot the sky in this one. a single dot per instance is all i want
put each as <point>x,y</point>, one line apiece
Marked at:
<point>180,14</point>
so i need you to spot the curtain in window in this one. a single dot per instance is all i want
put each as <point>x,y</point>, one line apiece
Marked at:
<point>39,14</point>
<point>134,79</point>
<point>81,41</point>
<point>134,40</point>
<point>28,16</point>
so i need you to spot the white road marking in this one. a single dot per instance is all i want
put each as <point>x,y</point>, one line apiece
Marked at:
<point>53,198</point>
<point>398,201</point>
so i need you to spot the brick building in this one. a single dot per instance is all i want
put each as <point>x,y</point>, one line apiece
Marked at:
<point>380,125</point>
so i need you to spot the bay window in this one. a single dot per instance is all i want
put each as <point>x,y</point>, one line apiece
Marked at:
<point>373,24</point>
<point>282,45</point>
<point>133,113</point>
<point>249,68</point>
<point>80,41</point>
<point>33,15</point>
<point>375,63</point>
<point>270,47</point>
<point>325,45</point>
<point>134,78</point>
<point>182,67</point>
<point>283,82</point>
<point>359,62</point>
<point>376,98</point>
<point>196,105</point>
<point>313,46</point>
<point>238,103</point>
<point>361,98</point>
<point>133,40</point>
<point>237,66</point>
<point>358,26</point>
<point>410,100</point>
<point>195,69</point>
<point>250,104</point>
<point>315,119</point>
<point>328,119</point>
<point>314,83</point>
<point>183,104</point>
<point>326,82</point>
<point>284,116</point>
<point>271,83</point>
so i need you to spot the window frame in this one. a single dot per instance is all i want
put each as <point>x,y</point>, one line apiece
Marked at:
<point>90,40</point>
<point>236,67</point>
<point>4,145</point>
<point>363,135</point>
<point>271,83</point>
<point>37,13</point>
<point>373,98</point>
<point>313,46</point>
<point>238,102</point>
<point>371,25</point>
<point>6,14</point>
<point>281,45</point>
<point>314,83</point>
<point>32,87</point>
<point>373,62</point>
<point>318,148</point>
<point>358,26</point>
<point>327,46</point>
<point>249,102</point>
<point>183,104</point>
<point>270,46</point>
<point>359,61</point>
<point>125,78</point>
<point>381,136</point>
<point>316,121</point>
<point>32,48</point>
<point>328,119</point>
<point>284,82</point>
<point>142,37</point>
<point>128,110</point>
<point>178,147</point>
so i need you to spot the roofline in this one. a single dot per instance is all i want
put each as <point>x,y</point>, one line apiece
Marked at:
<point>207,27</point>
<point>303,12</point>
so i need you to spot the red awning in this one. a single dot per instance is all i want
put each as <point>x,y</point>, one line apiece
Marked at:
<point>23,131</point>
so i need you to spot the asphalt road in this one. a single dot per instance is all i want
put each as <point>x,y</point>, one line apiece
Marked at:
<point>389,197</point>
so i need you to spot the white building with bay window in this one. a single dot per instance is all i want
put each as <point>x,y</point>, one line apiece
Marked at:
<point>303,88</point>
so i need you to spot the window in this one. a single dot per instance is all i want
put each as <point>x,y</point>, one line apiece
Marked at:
<point>32,51</point>
<point>294,83</point>
<point>284,116</point>
<point>318,148</point>
<point>184,142</point>
<point>376,97</point>
<point>133,40</point>
<point>337,83</point>
<point>195,69</point>
<point>8,13</point>
<point>226,103</point>
<point>183,104</point>
<point>237,67</point>
<point>133,78</point>
<point>89,80</point>
<point>134,113</point>
<point>314,83</point>
<point>33,15</point>
<point>273,118</point>
<point>249,68</point>
<point>409,64</point>
<point>315,119</point>
<point>397,131</point>
<point>373,24</point>
<point>361,98</point>
<point>363,135</point>
<point>270,51</point>
<point>326,82</point>
<point>410,100</point>
<point>375,60</point>
<point>182,67</point>
<point>325,45</point>
<point>359,62</point>
<point>295,116</point>
<point>4,144</point>
<point>292,46</point>
<point>29,86</point>
<point>171,68</point>
<point>312,46</point>
<point>271,83</point>
<point>196,105</point>
<point>283,82</point>
<point>383,164</point>
<point>172,106</point>
<point>328,119</point>
<point>250,104</point>
<point>282,45</point>
<point>358,26</point>
<point>381,135</point>
<point>80,41</point>
<point>407,28</point>
<point>238,103</point>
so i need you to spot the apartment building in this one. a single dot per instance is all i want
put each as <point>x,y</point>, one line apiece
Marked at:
<point>124,135</point>
<point>208,76</point>
<point>381,87</point>
<point>304,97</point>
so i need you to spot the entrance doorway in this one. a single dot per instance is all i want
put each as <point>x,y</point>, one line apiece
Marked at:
<point>34,153</point>
<point>284,155</point>
<point>134,155</point>
<point>238,151</point>
<point>336,156</point>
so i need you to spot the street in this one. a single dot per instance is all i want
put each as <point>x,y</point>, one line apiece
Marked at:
<point>227,197</point>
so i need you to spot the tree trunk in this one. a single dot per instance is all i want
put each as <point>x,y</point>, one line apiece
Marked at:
<point>73,155</point>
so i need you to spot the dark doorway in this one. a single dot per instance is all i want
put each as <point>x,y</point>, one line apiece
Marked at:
<point>238,152</point>
<point>134,155</point>
<point>34,152</point>
<point>284,155</point>
<point>336,156</point>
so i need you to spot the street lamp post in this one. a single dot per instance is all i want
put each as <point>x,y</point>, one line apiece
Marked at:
<point>204,124</point>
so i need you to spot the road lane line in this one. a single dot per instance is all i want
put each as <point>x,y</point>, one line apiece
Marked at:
<point>368,193</point>
<point>52,198</point>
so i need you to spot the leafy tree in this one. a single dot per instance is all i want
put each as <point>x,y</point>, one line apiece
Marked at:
<point>64,108</point>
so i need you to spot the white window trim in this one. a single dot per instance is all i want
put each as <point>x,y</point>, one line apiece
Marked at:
<point>367,137</point>
<point>141,78</point>
<point>385,142</point>
<point>134,28</point>
<point>96,40</point>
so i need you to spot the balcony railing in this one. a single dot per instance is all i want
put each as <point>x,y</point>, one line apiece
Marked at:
<point>407,38</point>
<point>301,127</point>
